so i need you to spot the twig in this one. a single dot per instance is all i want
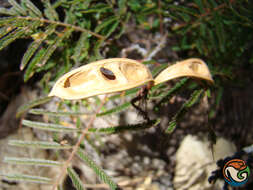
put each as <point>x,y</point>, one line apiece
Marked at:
<point>75,148</point>
<point>207,13</point>
<point>160,45</point>
<point>77,28</point>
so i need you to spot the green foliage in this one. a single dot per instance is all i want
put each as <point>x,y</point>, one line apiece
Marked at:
<point>26,178</point>
<point>58,113</point>
<point>48,126</point>
<point>217,31</point>
<point>100,173</point>
<point>183,110</point>
<point>119,129</point>
<point>75,179</point>
<point>31,161</point>
<point>38,144</point>
<point>21,110</point>
<point>47,32</point>
<point>167,95</point>
<point>114,110</point>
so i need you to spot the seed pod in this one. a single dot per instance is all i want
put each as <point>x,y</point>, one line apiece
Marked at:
<point>188,68</point>
<point>101,77</point>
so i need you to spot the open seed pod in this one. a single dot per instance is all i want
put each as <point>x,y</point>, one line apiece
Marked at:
<point>188,68</point>
<point>101,77</point>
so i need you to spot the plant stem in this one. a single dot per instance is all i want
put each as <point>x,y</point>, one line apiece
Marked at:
<point>206,14</point>
<point>77,28</point>
<point>75,148</point>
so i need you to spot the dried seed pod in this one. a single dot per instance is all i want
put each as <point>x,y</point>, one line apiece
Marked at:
<point>188,68</point>
<point>101,77</point>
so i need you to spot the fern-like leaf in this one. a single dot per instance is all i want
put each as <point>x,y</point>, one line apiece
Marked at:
<point>112,28</point>
<point>5,30</point>
<point>58,113</point>
<point>75,179</point>
<point>10,12</point>
<point>127,93</point>
<point>166,97</point>
<point>50,12</point>
<point>100,173</point>
<point>26,178</point>
<point>35,45</point>
<point>31,161</point>
<point>44,54</point>
<point>119,129</point>
<point>49,126</point>
<point>114,110</point>
<point>17,33</point>
<point>21,110</point>
<point>19,9</point>
<point>105,23</point>
<point>195,96</point>
<point>39,144</point>
<point>5,21</point>
<point>32,8</point>
<point>30,70</point>
<point>82,47</point>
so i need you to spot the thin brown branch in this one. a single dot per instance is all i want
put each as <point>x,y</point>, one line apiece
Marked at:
<point>77,28</point>
<point>75,148</point>
<point>206,14</point>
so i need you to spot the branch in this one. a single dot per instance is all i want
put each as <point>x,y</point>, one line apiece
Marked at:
<point>75,148</point>
<point>206,14</point>
<point>77,28</point>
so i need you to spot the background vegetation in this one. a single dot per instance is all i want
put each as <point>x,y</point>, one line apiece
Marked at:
<point>64,34</point>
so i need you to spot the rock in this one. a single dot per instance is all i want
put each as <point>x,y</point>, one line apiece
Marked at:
<point>148,185</point>
<point>194,162</point>
<point>8,121</point>
<point>11,151</point>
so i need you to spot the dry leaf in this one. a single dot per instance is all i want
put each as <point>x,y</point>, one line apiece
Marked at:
<point>188,68</point>
<point>101,77</point>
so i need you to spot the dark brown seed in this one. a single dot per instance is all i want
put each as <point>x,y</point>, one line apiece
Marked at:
<point>66,83</point>
<point>107,73</point>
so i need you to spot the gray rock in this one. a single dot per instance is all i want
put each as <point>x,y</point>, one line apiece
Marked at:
<point>194,162</point>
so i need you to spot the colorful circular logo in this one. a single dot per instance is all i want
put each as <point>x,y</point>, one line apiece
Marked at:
<point>236,172</point>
